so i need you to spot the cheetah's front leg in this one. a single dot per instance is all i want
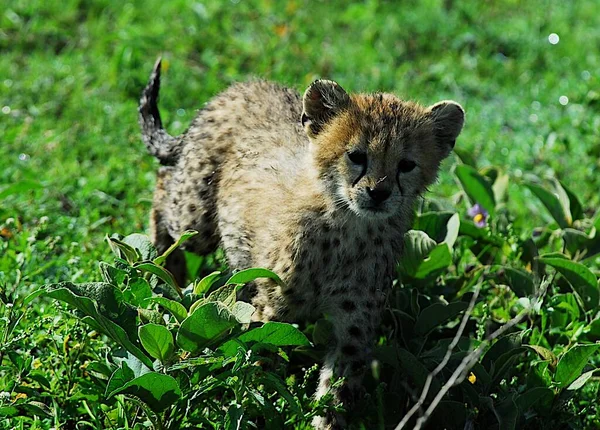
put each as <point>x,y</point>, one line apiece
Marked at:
<point>354,325</point>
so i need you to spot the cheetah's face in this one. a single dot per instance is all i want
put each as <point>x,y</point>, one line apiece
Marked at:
<point>376,153</point>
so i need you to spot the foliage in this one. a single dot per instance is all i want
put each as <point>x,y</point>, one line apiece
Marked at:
<point>72,170</point>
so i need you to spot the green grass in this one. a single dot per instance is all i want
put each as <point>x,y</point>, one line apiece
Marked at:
<point>73,167</point>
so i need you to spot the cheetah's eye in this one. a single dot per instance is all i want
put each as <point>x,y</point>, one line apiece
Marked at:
<point>405,166</point>
<point>357,157</point>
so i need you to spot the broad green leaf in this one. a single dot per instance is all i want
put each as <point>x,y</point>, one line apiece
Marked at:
<point>272,381</point>
<point>123,250</point>
<point>440,257</point>
<point>185,236</point>
<point>580,382</point>
<point>452,229</point>
<point>574,203</point>
<point>162,273</point>
<point>503,345</point>
<point>564,201</point>
<point>272,333</point>
<point>581,278</point>
<point>417,246</point>
<point>504,363</point>
<point>243,312</point>
<point>507,413</point>
<point>572,362</point>
<point>121,376</point>
<point>233,419</point>
<point>106,302</point>
<point>137,291</point>
<point>225,294</point>
<point>33,295</point>
<point>500,187</point>
<point>175,308</point>
<point>142,244</point>
<point>477,187</point>
<point>534,396</point>
<point>323,332</point>
<point>417,372</point>
<point>249,275</point>
<point>435,224</point>
<point>157,340</point>
<point>206,324</point>
<point>544,353</point>
<point>519,281</point>
<point>157,390</point>
<point>112,275</point>
<point>116,333</point>
<point>552,203</point>
<point>205,283</point>
<point>437,314</point>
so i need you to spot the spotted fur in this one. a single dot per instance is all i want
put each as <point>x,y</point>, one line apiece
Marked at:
<point>272,177</point>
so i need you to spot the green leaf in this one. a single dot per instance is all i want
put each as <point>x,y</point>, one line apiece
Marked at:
<point>185,236</point>
<point>157,390</point>
<point>249,275</point>
<point>440,226</point>
<point>225,294</point>
<point>157,340</point>
<point>272,333</point>
<point>233,419</point>
<point>20,187</point>
<point>121,376</point>
<point>142,243</point>
<point>323,333</point>
<point>581,278</point>
<point>477,187</point>
<point>243,312</point>
<point>580,382</point>
<point>574,203</point>
<point>534,396</point>
<point>551,202</point>
<point>205,283</point>
<point>175,308</point>
<point>439,258</point>
<point>507,413</point>
<point>137,291</point>
<point>116,333</point>
<point>417,372</point>
<point>417,246</point>
<point>123,250</point>
<point>162,273</point>
<point>544,354</point>
<point>436,315</point>
<point>572,362</point>
<point>107,303</point>
<point>207,323</point>
<point>502,346</point>
<point>519,281</point>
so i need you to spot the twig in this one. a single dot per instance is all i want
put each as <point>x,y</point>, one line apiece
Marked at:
<point>444,361</point>
<point>469,361</point>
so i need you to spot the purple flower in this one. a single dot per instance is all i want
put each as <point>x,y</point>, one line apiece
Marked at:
<point>479,215</point>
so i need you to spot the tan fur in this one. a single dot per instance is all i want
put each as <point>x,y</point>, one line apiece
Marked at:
<point>279,195</point>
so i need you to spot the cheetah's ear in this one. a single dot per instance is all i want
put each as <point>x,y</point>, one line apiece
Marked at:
<point>448,119</point>
<point>322,100</point>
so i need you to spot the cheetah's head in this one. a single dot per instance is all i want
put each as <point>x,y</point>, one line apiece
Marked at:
<point>376,153</point>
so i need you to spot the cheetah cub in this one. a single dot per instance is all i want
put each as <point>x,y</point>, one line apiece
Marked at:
<point>318,188</point>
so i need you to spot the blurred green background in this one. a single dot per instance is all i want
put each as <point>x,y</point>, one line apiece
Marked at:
<point>72,72</point>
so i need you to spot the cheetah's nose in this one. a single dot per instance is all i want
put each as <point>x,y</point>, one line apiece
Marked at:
<point>379,194</point>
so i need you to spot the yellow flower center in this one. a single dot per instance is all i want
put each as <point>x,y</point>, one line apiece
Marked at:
<point>478,218</point>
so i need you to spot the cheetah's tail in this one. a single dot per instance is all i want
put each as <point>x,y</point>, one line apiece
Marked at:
<point>160,144</point>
